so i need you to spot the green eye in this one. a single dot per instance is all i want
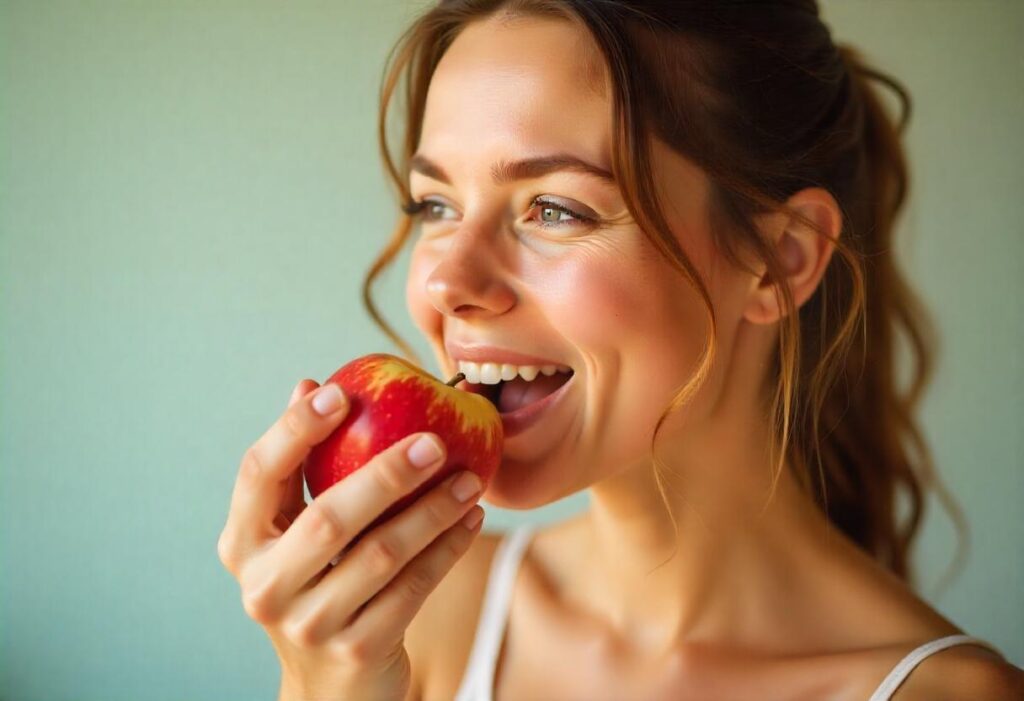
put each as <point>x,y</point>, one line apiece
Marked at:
<point>556,215</point>
<point>550,215</point>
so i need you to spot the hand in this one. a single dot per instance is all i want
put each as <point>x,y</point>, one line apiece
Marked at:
<point>339,629</point>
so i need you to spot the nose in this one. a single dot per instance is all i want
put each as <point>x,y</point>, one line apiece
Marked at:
<point>469,281</point>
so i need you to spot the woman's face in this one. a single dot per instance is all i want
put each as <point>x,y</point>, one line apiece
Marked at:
<point>491,268</point>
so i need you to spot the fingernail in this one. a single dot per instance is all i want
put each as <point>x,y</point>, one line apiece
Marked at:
<point>424,452</point>
<point>328,399</point>
<point>471,519</point>
<point>465,486</point>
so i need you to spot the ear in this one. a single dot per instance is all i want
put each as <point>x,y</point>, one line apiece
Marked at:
<point>803,253</point>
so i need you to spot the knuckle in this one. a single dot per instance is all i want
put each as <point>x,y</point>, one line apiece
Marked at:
<point>301,631</point>
<point>438,512</point>
<point>456,545</point>
<point>353,651</point>
<point>295,423</point>
<point>324,523</point>
<point>389,477</point>
<point>381,555</point>
<point>227,551</point>
<point>259,594</point>
<point>419,585</point>
<point>257,605</point>
<point>251,469</point>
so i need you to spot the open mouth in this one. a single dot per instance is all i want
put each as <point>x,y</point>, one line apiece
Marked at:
<point>510,396</point>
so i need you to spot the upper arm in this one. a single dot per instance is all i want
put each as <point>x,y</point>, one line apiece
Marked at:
<point>448,615</point>
<point>963,673</point>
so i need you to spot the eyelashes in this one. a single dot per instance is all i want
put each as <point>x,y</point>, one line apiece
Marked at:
<point>414,207</point>
<point>421,209</point>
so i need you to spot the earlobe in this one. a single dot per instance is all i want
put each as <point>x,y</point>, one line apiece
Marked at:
<point>802,252</point>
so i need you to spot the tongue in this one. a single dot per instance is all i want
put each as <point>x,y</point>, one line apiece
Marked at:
<point>517,393</point>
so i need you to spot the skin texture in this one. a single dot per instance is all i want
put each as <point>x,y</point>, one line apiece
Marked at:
<point>745,589</point>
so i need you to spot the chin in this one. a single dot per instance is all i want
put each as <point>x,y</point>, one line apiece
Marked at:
<point>521,486</point>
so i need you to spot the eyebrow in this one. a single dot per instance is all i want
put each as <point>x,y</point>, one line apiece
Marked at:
<point>509,171</point>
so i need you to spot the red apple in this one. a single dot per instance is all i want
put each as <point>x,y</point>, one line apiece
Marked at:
<point>390,399</point>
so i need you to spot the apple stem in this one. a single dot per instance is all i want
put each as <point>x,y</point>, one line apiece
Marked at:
<point>459,377</point>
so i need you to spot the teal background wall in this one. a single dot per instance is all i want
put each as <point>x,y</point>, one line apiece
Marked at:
<point>189,194</point>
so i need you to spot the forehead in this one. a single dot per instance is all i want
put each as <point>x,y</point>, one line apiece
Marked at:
<point>532,85</point>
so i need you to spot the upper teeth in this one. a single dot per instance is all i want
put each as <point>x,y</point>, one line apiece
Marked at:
<point>493,373</point>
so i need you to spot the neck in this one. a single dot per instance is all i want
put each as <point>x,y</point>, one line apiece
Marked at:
<point>718,573</point>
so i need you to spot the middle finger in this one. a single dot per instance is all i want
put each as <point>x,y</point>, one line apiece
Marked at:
<point>337,515</point>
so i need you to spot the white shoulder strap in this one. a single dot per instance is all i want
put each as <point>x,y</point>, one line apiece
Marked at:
<point>478,680</point>
<point>905,666</point>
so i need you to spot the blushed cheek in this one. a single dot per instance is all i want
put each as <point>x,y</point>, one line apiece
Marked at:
<point>611,305</point>
<point>639,327</point>
<point>593,303</point>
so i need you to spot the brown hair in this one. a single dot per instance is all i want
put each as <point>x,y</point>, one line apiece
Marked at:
<point>759,97</point>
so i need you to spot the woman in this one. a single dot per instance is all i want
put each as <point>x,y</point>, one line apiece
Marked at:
<point>675,220</point>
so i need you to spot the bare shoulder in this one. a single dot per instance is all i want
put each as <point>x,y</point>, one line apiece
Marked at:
<point>963,672</point>
<point>887,619</point>
<point>441,635</point>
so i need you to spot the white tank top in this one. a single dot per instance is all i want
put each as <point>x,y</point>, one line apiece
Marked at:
<point>478,680</point>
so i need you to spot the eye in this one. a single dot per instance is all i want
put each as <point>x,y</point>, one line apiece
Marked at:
<point>554,214</point>
<point>426,209</point>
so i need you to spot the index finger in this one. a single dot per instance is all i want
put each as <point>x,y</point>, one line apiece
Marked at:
<point>301,390</point>
<point>267,465</point>
<point>294,500</point>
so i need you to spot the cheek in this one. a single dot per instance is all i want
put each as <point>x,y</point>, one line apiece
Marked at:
<point>614,303</point>
<point>641,329</point>
<point>588,296</point>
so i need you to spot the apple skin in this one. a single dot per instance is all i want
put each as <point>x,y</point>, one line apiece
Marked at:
<point>389,399</point>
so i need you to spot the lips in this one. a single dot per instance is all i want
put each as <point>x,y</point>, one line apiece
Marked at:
<point>493,354</point>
